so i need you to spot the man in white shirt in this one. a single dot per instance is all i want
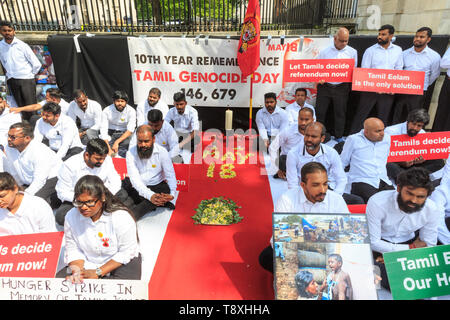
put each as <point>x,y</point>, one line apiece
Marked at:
<point>151,181</point>
<point>271,119</point>
<point>417,120</point>
<point>314,150</point>
<point>21,65</point>
<point>382,55</point>
<point>185,121</point>
<point>335,94</point>
<point>441,197</point>
<point>442,118</point>
<point>153,102</point>
<point>418,58</point>
<point>89,113</point>
<point>288,139</point>
<point>403,219</point>
<point>366,153</point>
<point>118,124</point>
<point>300,102</point>
<point>31,163</point>
<point>58,131</point>
<point>94,161</point>
<point>7,118</point>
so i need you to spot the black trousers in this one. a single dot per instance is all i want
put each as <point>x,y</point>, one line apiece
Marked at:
<point>404,104</point>
<point>24,92</point>
<point>123,146</point>
<point>47,192</point>
<point>368,101</point>
<point>335,96</point>
<point>442,117</point>
<point>130,271</point>
<point>394,169</point>
<point>190,145</point>
<point>365,191</point>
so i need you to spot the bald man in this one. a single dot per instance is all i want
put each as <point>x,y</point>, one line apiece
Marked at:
<point>335,94</point>
<point>366,153</point>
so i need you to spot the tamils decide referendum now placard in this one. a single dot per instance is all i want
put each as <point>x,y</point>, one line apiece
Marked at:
<point>419,273</point>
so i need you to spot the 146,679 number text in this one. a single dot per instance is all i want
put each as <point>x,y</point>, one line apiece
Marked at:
<point>216,94</point>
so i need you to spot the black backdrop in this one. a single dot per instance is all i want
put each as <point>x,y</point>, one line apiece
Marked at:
<point>104,66</point>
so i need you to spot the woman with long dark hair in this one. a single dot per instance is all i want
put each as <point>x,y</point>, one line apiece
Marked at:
<point>100,235</point>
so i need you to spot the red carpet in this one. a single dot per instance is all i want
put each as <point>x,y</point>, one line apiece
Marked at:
<point>217,262</point>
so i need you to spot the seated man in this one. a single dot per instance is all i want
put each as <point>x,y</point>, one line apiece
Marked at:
<point>288,139</point>
<point>94,161</point>
<point>7,118</point>
<point>89,113</point>
<point>300,102</point>
<point>58,131</point>
<point>416,121</point>
<point>313,149</point>
<point>153,101</point>
<point>366,152</point>
<point>185,119</point>
<point>313,196</point>
<point>118,124</point>
<point>395,216</point>
<point>33,165</point>
<point>441,196</point>
<point>51,95</point>
<point>151,181</point>
<point>271,119</point>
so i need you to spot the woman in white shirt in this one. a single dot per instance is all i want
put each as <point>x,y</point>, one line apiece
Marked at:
<point>100,236</point>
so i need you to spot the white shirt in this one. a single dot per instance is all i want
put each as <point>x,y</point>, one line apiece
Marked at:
<point>399,129</point>
<point>166,137</point>
<point>271,123</point>
<point>115,120</point>
<point>19,60</point>
<point>376,57</point>
<point>6,120</point>
<point>33,166</point>
<point>445,62</point>
<point>427,60</point>
<point>63,104</point>
<point>293,109</point>
<point>386,221</point>
<point>294,200</point>
<point>441,197</point>
<point>186,122</point>
<point>75,167</point>
<point>62,136</point>
<point>332,53</point>
<point>83,238</point>
<point>327,156</point>
<point>367,159</point>
<point>151,171</point>
<point>91,118</point>
<point>33,216</point>
<point>143,108</point>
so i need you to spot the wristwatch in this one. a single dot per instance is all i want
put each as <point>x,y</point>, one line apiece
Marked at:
<point>98,272</point>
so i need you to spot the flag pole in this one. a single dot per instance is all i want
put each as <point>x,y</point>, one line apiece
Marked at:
<point>251,104</point>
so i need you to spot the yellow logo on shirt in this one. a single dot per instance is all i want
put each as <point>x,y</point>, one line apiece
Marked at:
<point>163,142</point>
<point>153,165</point>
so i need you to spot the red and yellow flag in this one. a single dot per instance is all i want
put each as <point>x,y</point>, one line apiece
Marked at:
<point>248,49</point>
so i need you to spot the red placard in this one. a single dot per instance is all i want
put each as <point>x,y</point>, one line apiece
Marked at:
<point>315,70</point>
<point>30,255</point>
<point>432,145</point>
<point>182,172</point>
<point>388,81</point>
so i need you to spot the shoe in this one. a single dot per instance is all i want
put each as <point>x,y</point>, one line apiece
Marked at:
<point>339,140</point>
<point>170,205</point>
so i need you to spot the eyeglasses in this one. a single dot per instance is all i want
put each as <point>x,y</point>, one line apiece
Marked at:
<point>89,204</point>
<point>12,138</point>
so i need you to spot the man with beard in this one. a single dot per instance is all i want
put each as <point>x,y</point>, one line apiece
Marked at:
<point>289,138</point>
<point>417,120</point>
<point>418,58</point>
<point>300,102</point>
<point>7,118</point>
<point>153,102</point>
<point>21,66</point>
<point>314,150</point>
<point>89,113</point>
<point>118,124</point>
<point>366,153</point>
<point>94,161</point>
<point>382,55</point>
<point>58,131</point>
<point>271,119</point>
<point>185,122</point>
<point>403,219</point>
<point>151,181</point>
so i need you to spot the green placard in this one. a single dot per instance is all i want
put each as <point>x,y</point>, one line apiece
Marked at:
<point>419,273</point>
